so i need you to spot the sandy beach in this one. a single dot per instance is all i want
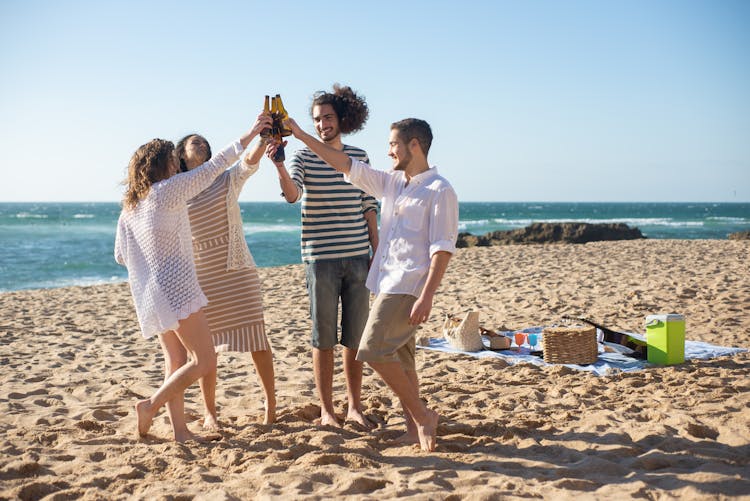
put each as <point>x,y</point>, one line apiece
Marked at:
<point>73,364</point>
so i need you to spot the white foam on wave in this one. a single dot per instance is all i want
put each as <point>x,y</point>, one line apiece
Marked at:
<point>250,228</point>
<point>83,216</point>
<point>66,282</point>
<point>728,219</point>
<point>462,225</point>
<point>29,215</point>
<point>638,222</point>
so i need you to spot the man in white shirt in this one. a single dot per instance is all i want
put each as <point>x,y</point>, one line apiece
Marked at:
<point>419,225</point>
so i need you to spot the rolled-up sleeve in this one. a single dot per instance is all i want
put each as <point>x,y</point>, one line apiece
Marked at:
<point>444,222</point>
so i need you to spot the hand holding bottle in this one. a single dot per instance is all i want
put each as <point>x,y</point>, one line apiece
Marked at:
<point>262,122</point>
<point>272,149</point>
<point>296,130</point>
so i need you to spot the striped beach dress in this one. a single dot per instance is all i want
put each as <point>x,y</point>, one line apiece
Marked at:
<point>226,270</point>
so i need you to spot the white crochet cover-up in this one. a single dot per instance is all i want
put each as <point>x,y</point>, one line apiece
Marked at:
<point>153,241</point>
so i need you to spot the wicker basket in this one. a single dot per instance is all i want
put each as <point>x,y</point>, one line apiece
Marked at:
<point>574,344</point>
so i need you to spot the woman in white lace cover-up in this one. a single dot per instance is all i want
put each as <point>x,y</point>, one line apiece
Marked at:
<point>153,241</point>
<point>226,269</point>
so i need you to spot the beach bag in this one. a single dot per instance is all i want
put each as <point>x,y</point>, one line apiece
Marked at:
<point>463,333</point>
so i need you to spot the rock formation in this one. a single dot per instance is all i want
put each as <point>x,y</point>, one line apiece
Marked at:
<point>540,233</point>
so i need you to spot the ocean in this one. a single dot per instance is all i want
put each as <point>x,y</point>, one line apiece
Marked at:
<point>46,245</point>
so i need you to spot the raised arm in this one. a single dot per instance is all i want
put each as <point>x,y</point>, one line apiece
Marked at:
<point>333,157</point>
<point>289,189</point>
<point>182,187</point>
<point>242,170</point>
<point>253,158</point>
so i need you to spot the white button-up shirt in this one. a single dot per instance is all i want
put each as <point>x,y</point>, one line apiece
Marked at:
<point>416,221</point>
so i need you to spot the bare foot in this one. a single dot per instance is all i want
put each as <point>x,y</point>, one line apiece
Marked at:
<point>327,419</point>
<point>410,437</point>
<point>143,416</point>
<point>187,435</point>
<point>270,415</point>
<point>210,423</point>
<point>428,431</point>
<point>183,435</point>
<point>359,418</point>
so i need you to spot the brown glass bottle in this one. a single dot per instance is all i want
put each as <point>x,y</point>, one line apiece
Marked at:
<point>283,115</point>
<point>279,156</point>
<point>266,133</point>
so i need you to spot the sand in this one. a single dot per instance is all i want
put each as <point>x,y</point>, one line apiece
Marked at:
<point>73,364</point>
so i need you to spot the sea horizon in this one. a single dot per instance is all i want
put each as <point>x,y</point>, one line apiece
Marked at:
<point>58,244</point>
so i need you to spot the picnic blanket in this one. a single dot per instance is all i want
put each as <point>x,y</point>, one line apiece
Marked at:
<point>606,364</point>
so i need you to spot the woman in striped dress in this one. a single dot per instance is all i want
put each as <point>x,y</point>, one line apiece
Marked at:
<point>226,269</point>
<point>152,241</point>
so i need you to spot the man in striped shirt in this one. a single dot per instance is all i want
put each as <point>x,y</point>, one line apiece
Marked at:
<point>339,226</point>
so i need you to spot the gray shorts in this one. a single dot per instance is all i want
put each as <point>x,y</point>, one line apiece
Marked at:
<point>388,337</point>
<point>327,281</point>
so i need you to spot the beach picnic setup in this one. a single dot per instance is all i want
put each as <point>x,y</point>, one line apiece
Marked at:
<point>587,346</point>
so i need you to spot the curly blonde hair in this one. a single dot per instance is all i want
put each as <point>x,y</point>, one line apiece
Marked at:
<point>148,165</point>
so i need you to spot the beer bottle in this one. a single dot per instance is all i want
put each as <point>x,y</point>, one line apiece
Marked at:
<point>266,133</point>
<point>285,131</point>
<point>279,156</point>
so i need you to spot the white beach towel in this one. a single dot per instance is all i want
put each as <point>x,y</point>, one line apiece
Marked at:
<point>607,363</point>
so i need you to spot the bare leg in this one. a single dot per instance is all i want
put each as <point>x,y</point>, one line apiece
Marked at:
<point>194,335</point>
<point>175,356</point>
<point>208,389</point>
<point>323,369</point>
<point>426,419</point>
<point>263,361</point>
<point>411,436</point>
<point>353,372</point>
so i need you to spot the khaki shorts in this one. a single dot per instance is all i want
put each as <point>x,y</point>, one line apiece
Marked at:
<point>388,337</point>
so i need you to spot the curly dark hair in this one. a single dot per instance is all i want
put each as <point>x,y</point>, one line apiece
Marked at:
<point>148,165</point>
<point>351,109</point>
<point>180,150</point>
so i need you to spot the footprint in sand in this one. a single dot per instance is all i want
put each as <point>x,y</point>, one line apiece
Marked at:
<point>54,401</point>
<point>702,431</point>
<point>88,425</point>
<point>38,490</point>
<point>363,485</point>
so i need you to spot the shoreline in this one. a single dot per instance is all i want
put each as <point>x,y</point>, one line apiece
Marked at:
<point>75,362</point>
<point>101,283</point>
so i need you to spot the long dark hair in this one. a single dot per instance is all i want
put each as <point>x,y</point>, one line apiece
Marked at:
<point>180,150</point>
<point>351,109</point>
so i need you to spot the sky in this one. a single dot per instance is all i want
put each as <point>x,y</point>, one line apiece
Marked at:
<point>638,100</point>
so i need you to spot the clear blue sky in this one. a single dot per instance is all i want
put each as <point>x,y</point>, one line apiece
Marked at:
<point>528,100</point>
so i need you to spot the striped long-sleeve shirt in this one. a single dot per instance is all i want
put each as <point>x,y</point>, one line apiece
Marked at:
<point>333,223</point>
